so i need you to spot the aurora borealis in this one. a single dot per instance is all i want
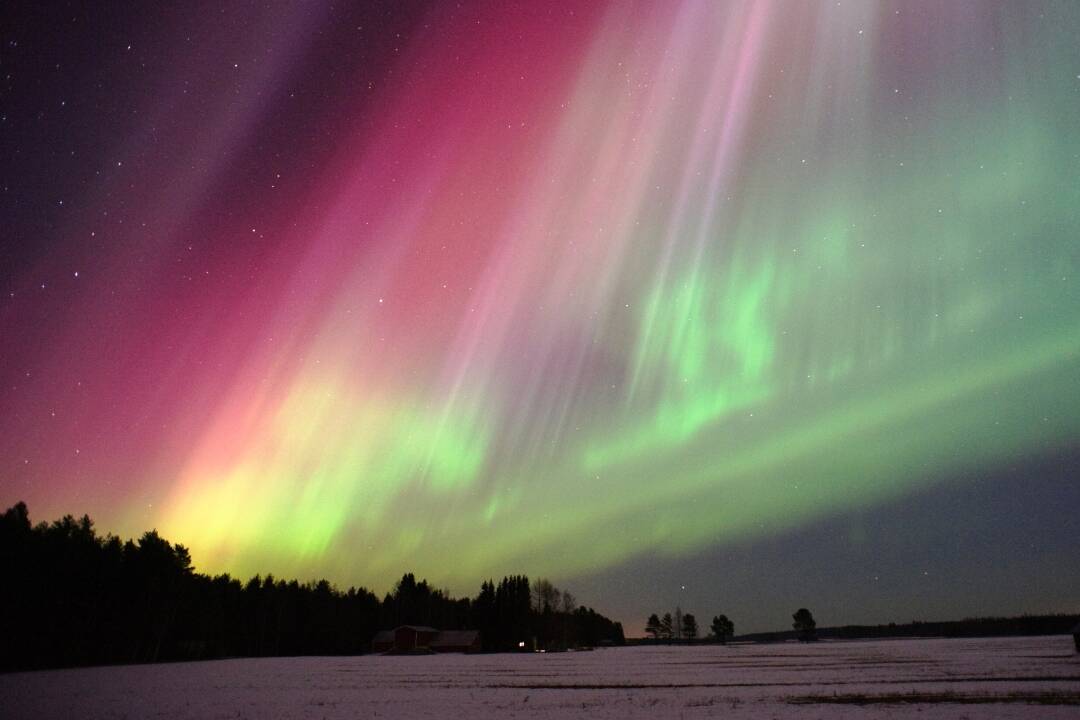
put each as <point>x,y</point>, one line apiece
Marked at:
<point>579,290</point>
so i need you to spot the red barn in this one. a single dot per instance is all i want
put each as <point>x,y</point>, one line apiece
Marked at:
<point>459,641</point>
<point>418,639</point>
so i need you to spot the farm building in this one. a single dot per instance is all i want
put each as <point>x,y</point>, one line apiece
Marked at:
<point>461,641</point>
<point>408,639</point>
<point>404,639</point>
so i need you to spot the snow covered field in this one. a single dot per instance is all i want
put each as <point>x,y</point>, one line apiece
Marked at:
<point>984,678</point>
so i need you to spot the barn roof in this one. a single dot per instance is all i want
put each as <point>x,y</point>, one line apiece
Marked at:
<point>454,638</point>
<point>417,628</point>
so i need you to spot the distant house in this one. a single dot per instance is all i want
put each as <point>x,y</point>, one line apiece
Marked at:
<point>419,639</point>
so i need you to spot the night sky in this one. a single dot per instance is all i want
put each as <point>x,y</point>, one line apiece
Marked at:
<point>741,306</point>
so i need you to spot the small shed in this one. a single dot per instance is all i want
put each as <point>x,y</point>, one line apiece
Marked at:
<point>457,641</point>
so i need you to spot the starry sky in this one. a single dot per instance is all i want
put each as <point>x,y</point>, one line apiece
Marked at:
<point>739,306</point>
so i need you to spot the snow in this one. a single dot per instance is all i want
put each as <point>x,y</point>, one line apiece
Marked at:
<point>737,681</point>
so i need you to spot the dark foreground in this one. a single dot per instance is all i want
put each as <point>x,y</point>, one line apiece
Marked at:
<point>929,678</point>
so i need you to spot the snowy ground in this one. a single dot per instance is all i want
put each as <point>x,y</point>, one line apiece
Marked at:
<point>985,678</point>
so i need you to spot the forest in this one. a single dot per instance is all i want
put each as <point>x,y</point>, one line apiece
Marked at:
<point>73,597</point>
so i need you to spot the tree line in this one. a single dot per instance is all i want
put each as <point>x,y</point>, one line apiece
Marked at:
<point>683,627</point>
<point>680,626</point>
<point>73,597</point>
<point>1060,624</point>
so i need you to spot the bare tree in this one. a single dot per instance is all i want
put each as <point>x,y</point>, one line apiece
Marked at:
<point>545,595</point>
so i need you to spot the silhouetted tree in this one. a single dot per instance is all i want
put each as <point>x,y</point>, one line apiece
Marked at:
<point>665,626</point>
<point>484,618</point>
<point>512,612</point>
<point>652,626</point>
<point>545,595</point>
<point>805,625</point>
<point>722,628</point>
<point>690,628</point>
<point>592,628</point>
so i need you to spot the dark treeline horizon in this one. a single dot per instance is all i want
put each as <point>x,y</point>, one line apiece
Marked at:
<point>72,597</point>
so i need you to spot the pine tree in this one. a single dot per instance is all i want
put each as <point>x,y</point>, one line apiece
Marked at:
<point>665,626</point>
<point>690,628</point>
<point>652,626</point>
